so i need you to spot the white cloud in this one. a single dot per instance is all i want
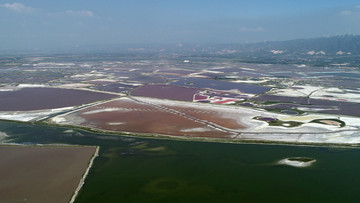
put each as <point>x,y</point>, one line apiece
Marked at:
<point>346,12</point>
<point>277,51</point>
<point>17,7</point>
<point>257,29</point>
<point>311,52</point>
<point>84,13</point>
<point>355,12</point>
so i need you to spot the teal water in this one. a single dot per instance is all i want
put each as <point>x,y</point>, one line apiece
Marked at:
<point>150,170</point>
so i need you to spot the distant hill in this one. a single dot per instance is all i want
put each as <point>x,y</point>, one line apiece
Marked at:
<point>337,45</point>
<point>324,51</point>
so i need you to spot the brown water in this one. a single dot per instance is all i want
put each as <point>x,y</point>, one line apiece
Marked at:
<point>27,99</point>
<point>166,92</point>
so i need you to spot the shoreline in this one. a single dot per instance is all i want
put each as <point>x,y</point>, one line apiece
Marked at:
<point>182,138</point>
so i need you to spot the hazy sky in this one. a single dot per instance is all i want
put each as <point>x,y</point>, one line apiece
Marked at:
<point>34,24</point>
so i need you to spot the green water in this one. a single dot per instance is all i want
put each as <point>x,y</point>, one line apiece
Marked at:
<point>149,170</point>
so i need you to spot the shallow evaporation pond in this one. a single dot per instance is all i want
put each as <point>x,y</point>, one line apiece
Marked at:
<point>166,92</point>
<point>290,112</point>
<point>341,74</point>
<point>220,85</point>
<point>47,98</point>
<point>267,119</point>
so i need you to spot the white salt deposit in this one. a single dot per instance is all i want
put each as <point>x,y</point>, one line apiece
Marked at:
<point>297,162</point>
<point>196,130</point>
